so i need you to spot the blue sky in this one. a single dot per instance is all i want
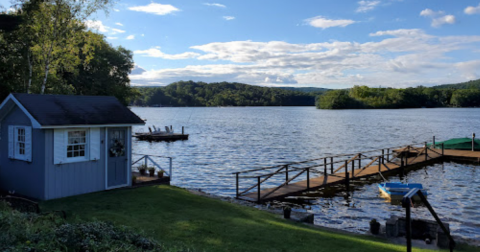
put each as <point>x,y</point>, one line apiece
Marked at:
<point>332,44</point>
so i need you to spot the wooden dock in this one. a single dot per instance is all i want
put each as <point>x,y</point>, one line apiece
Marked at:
<point>350,169</point>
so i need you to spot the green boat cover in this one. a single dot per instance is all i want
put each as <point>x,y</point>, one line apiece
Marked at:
<point>458,144</point>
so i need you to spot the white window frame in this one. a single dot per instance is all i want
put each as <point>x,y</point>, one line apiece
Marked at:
<point>16,143</point>
<point>87,146</point>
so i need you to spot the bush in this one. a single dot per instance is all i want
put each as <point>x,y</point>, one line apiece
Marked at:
<point>34,232</point>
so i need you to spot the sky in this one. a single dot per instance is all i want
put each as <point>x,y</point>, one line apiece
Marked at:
<point>303,43</point>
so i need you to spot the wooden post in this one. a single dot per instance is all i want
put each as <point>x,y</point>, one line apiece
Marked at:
<point>237,184</point>
<point>286,174</point>
<point>406,156</point>
<point>347,181</point>
<point>325,166</point>
<point>426,154</point>
<point>359,160</point>
<point>473,141</point>
<point>433,143</point>
<point>346,167</point>
<point>443,149</point>
<point>353,168</point>
<point>380,163</point>
<point>331,165</point>
<point>401,161</point>
<point>388,155</point>
<point>258,190</point>
<point>183,130</point>
<point>308,178</point>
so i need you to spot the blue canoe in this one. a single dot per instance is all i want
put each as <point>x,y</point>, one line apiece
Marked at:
<point>396,190</point>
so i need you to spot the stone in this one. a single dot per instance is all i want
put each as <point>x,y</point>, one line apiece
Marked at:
<point>391,227</point>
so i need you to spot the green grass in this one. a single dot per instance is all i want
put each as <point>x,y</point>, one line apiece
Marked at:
<point>178,218</point>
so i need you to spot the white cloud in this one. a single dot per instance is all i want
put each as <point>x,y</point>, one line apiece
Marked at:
<point>156,53</point>
<point>216,5</point>
<point>96,25</point>
<point>130,37</point>
<point>119,24</point>
<point>143,35</point>
<point>401,58</point>
<point>116,10</point>
<point>321,22</point>
<point>470,10</point>
<point>365,6</point>
<point>438,17</point>
<point>112,38</point>
<point>228,18</point>
<point>115,31</point>
<point>155,8</point>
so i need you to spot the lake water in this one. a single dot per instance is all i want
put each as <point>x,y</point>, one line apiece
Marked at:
<point>224,140</point>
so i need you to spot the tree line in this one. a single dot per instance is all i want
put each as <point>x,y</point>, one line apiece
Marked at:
<point>363,97</point>
<point>46,48</point>
<point>200,94</point>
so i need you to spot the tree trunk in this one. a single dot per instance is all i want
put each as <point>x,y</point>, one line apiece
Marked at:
<point>47,66</point>
<point>29,72</point>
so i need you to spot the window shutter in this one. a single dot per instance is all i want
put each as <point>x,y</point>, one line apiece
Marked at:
<point>59,148</point>
<point>94,144</point>
<point>11,146</point>
<point>28,144</point>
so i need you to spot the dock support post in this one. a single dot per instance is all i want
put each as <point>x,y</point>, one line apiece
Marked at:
<point>237,183</point>
<point>258,190</point>
<point>347,181</point>
<point>383,155</point>
<point>286,174</point>
<point>170,164</point>
<point>426,154</point>
<point>325,166</point>
<point>473,141</point>
<point>331,165</point>
<point>380,163</point>
<point>433,143</point>
<point>308,179</point>
<point>388,155</point>
<point>408,228</point>
<point>353,168</point>
<point>443,149</point>
<point>346,167</point>
<point>359,160</point>
<point>183,130</point>
<point>401,161</point>
<point>406,156</point>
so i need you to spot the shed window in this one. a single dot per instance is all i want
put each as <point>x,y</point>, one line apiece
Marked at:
<point>77,144</point>
<point>20,142</point>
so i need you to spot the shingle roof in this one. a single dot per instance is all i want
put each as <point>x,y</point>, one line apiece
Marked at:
<point>58,110</point>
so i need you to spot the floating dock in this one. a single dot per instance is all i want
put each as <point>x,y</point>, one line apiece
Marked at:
<point>342,171</point>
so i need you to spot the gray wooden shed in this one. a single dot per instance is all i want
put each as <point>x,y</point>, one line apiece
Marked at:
<point>53,146</point>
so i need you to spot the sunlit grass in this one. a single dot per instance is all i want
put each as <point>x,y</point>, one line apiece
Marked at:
<point>178,218</point>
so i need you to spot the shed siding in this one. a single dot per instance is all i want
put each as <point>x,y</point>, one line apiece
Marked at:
<point>25,178</point>
<point>73,178</point>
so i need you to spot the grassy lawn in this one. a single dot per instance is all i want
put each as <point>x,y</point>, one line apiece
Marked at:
<point>176,217</point>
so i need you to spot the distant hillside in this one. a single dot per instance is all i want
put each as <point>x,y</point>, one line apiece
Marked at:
<point>312,90</point>
<point>473,84</point>
<point>201,94</point>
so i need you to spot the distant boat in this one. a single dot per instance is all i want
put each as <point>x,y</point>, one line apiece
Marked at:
<point>396,190</point>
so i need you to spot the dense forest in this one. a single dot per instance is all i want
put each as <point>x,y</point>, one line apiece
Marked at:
<point>363,97</point>
<point>190,93</point>
<point>46,48</point>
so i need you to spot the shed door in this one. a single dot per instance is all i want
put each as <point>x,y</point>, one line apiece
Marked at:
<point>117,157</point>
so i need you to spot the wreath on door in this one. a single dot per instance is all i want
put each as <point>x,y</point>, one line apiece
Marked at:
<point>117,149</point>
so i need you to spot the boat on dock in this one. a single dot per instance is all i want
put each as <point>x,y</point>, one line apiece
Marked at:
<point>396,190</point>
<point>159,135</point>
